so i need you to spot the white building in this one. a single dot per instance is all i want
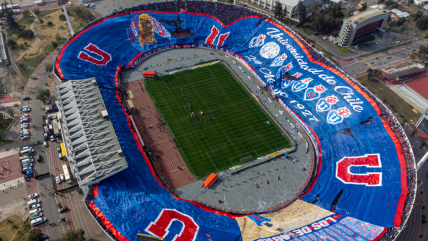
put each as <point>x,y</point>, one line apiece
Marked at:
<point>291,5</point>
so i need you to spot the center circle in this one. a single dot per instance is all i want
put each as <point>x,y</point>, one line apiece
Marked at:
<point>211,109</point>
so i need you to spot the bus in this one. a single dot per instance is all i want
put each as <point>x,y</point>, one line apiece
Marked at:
<point>55,128</point>
<point>64,153</point>
<point>66,173</point>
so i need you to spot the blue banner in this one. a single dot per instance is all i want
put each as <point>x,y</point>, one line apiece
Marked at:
<point>364,161</point>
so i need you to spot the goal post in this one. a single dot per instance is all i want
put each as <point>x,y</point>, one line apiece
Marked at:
<point>246,159</point>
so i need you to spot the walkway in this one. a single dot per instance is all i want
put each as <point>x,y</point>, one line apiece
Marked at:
<point>34,44</point>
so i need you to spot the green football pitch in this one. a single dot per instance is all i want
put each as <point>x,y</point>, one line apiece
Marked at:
<point>233,126</point>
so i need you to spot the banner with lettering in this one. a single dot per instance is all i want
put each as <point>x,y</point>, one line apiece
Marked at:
<point>362,163</point>
<point>334,227</point>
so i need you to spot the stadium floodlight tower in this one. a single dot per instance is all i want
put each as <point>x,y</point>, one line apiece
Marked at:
<point>62,3</point>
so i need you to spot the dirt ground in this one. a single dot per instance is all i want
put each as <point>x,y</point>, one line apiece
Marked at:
<point>47,33</point>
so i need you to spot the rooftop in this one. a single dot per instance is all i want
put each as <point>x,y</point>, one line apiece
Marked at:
<point>400,14</point>
<point>366,15</point>
<point>93,149</point>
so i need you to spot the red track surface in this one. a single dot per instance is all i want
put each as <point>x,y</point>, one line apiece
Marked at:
<point>12,165</point>
<point>7,99</point>
<point>168,160</point>
<point>419,83</point>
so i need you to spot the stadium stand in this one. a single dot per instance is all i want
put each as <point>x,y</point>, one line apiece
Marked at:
<point>227,14</point>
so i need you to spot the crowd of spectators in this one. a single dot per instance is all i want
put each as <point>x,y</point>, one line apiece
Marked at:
<point>227,14</point>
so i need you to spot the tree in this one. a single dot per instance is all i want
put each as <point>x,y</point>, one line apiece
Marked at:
<point>373,73</point>
<point>414,55</point>
<point>50,24</point>
<point>10,112</point>
<point>63,219</point>
<point>423,144</point>
<point>77,235</point>
<point>401,21</point>
<point>12,43</point>
<point>278,9</point>
<point>315,8</point>
<point>417,15</point>
<point>9,16</point>
<point>26,13</point>
<point>54,44</point>
<point>422,22</point>
<point>59,205</point>
<point>363,6</point>
<point>43,94</point>
<point>49,68</point>
<point>318,22</point>
<point>35,235</point>
<point>301,10</point>
<point>415,131</point>
<point>335,10</point>
<point>36,12</point>
<point>62,17</point>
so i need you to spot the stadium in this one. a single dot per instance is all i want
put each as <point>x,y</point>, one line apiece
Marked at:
<point>232,128</point>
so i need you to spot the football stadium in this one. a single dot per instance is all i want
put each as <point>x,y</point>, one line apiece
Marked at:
<point>198,120</point>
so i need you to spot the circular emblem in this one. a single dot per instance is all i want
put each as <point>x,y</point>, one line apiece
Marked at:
<point>331,99</point>
<point>343,112</point>
<point>269,50</point>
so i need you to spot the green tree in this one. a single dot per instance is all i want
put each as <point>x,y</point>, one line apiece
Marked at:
<point>335,10</point>
<point>301,10</point>
<point>10,112</point>
<point>9,16</point>
<point>417,15</point>
<point>54,44</point>
<point>59,205</point>
<point>25,13</point>
<point>414,55</point>
<point>363,6</point>
<point>35,235</point>
<point>423,144</point>
<point>315,8</point>
<point>62,17</point>
<point>401,21</point>
<point>36,12</point>
<point>12,43</point>
<point>49,68</point>
<point>278,10</point>
<point>77,235</point>
<point>422,22</point>
<point>43,94</point>
<point>373,73</point>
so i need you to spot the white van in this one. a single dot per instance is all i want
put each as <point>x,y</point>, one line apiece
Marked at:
<point>34,201</point>
<point>24,157</point>
<point>26,147</point>
<point>35,210</point>
<point>27,152</point>
<point>27,161</point>
<point>38,221</point>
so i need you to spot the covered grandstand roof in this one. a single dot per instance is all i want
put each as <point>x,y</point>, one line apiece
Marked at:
<point>93,149</point>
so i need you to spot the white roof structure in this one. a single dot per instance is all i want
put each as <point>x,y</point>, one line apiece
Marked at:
<point>93,149</point>
<point>399,13</point>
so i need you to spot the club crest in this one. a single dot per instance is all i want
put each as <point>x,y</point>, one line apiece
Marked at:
<point>311,94</point>
<point>278,61</point>
<point>286,83</point>
<point>257,41</point>
<point>337,116</point>
<point>325,104</point>
<point>269,50</point>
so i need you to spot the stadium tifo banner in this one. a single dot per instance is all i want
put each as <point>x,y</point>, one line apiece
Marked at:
<point>334,227</point>
<point>365,161</point>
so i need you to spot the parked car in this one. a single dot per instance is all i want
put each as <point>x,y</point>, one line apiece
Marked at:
<point>45,144</point>
<point>25,107</point>
<point>24,125</point>
<point>46,136</point>
<point>62,178</point>
<point>26,98</point>
<point>26,168</point>
<point>32,196</point>
<point>26,110</point>
<point>36,215</point>
<point>24,120</point>
<point>25,137</point>
<point>47,102</point>
<point>63,209</point>
<point>34,206</point>
<point>57,180</point>
<point>29,164</point>
<point>52,138</point>
<point>25,116</point>
<point>47,122</point>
